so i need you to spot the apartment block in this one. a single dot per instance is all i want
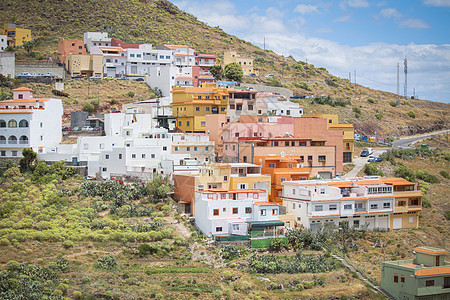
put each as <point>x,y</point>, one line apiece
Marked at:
<point>114,60</point>
<point>190,105</point>
<point>200,72</point>
<point>3,42</point>
<point>67,47</point>
<point>27,122</point>
<point>197,145</point>
<point>183,56</point>
<point>95,39</point>
<point>425,277</point>
<point>368,201</point>
<point>218,176</point>
<point>141,60</point>
<point>16,36</point>
<point>245,62</point>
<point>84,64</point>
<point>8,63</point>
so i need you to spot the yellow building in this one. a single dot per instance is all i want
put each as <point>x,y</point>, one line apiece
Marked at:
<point>349,133</point>
<point>245,62</point>
<point>218,176</point>
<point>84,64</point>
<point>190,105</point>
<point>16,36</point>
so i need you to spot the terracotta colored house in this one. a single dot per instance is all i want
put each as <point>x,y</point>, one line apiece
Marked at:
<point>200,72</point>
<point>67,47</point>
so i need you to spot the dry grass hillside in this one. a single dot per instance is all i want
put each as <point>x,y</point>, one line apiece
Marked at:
<point>157,22</point>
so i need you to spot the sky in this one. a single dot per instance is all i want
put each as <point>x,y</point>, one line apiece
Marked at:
<point>365,37</point>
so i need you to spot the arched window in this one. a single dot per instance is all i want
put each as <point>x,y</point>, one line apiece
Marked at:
<point>2,123</point>
<point>12,140</point>
<point>12,123</point>
<point>23,123</point>
<point>2,139</point>
<point>23,140</point>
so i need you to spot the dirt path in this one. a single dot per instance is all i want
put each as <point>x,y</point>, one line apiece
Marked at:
<point>180,228</point>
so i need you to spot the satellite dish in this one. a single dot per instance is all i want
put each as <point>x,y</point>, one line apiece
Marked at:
<point>282,154</point>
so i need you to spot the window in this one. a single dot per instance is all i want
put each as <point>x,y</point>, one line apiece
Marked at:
<point>104,169</point>
<point>243,186</point>
<point>137,55</point>
<point>236,134</point>
<point>248,210</point>
<point>293,205</point>
<point>202,124</point>
<point>283,179</point>
<point>373,206</point>
<point>12,123</point>
<point>347,206</point>
<point>263,212</point>
<point>188,148</point>
<point>215,212</point>
<point>207,108</point>
<point>133,155</point>
<point>250,107</point>
<point>322,158</point>
<point>218,229</point>
<point>23,123</point>
<point>386,205</point>
<point>206,148</point>
<point>188,123</point>
<point>293,191</point>
<point>195,148</point>
<point>274,212</point>
<point>272,165</point>
<point>395,278</point>
<point>356,223</point>
<point>143,155</point>
<point>200,187</point>
<point>197,108</point>
<point>302,143</point>
<point>235,210</point>
<point>318,208</point>
<point>2,124</point>
<point>2,153</point>
<point>179,123</point>
<point>164,148</point>
<point>333,207</point>
<point>106,156</point>
<point>153,155</point>
<point>224,209</point>
<point>14,153</point>
<point>446,282</point>
<point>429,283</point>
<point>402,278</point>
<point>244,159</point>
<point>310,158</point>
<point>322,191</point>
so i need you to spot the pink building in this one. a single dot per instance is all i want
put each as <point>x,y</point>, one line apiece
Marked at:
<point>200,72</point>
<point>119,43</point>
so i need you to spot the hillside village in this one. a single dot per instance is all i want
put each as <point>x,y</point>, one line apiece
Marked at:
<point>245,166</point>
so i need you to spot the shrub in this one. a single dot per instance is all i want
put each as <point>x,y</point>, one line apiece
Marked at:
<point>106,262</point>
<point>67,244</point>
<point>379,116</point>
<point>302,85</point>
<point>371,100</point>
<point>444,174</point>
<point>276,244</point>
<point>447,214</point>
<point>131,94</point>
<point>393,104</point>
<point>356,110</point>
<point>88,107</point>
<point>146,249</point>
<point>426,115</point>
<point>404,172</point>
<point>425,176</point>
<point>426,203</point>
<point>85,279</point>
<point>61,265</point>
<point>411,114</point>
<point>358,115</point>
<point>371,170</point>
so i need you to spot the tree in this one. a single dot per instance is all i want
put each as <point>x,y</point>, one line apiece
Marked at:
<point>28,46</point>
<point>233,72</point>
<point>28,159</point>
<point>88,107</point>
<point>216,71</point>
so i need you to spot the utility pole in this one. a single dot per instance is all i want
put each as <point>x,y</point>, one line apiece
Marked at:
<point>355,76</point>
<point>398,80</point>
<point>405,69</point>
<point>350,77</point>
<point>264,44</point>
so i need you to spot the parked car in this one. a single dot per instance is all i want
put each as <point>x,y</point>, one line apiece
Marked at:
<point>122,78</point>
<point>78,76</point>
<point>370,151</point>
<point>50,74</point>
<point>24,74</point>
<point>270,75</point>
<point>364,153</point>
<point>97,128</point>
<point>66,128</point>
<point>115,111</point>
<point>252,74</point>
<point>139,79</point>
<point>95,77</point>
<point>39,74</point>
<point>76,128</point>
<point>295,97</point>
<point>373,158</point>
<point>87,128</point>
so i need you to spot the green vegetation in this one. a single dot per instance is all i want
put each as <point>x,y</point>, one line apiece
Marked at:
<point>356,110</point>
<point>88,107</point>
<point>379,116</point>
<point>233,72</point>
<point>371,100</point>
<point>447,215</point>
<point>411,114</point>
<point>302,85</point>
<point>393,104</point>
<point>372,170</point>
<point>329,101</point>
<point>444,174</point>
<point>406,173</point>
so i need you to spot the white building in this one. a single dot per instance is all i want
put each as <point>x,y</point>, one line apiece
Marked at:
<point>165,77</point>
<point>183,56</point>
<point>197,145</point>
<point>361,201</point>
<point>229,212</point>
<point>275,104</point>
<point>140,61</point>
<point>27,122</point>
<point>114,60</point>
<point>3,42</point>
<point>8,64</point>
<point>93,39</point>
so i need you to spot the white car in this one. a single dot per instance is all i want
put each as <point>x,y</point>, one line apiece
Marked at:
<point>370,151</point>
<point>270,75</point>
<point>87,128</point>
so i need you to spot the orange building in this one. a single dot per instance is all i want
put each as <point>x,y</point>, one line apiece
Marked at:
<point>67,47</point>
<point>281,168</point>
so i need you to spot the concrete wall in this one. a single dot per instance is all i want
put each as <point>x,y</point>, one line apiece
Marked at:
<point>265,88</point>
<point>7,64</point>
<point>78,118</point>
<point>43,69</point>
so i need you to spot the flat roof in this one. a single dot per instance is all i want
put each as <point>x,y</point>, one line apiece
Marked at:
<point>266,223</point>
<point>430,250</point>
<point>265,203</point>
<point>433,271</point>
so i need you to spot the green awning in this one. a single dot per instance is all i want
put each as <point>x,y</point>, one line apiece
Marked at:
<point>266,223</point>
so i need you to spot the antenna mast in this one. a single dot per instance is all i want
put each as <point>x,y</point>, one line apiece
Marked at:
<point>406,77</point>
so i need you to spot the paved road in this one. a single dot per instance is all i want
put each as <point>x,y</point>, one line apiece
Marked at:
<point>404,142</point>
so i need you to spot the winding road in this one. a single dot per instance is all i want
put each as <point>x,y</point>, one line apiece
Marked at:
<point>404,142</point>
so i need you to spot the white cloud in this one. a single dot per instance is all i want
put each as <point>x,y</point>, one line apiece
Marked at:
<point>414,23</point>
<point>445,3</point>
<point>343,19</point>
<point>390,13</point>
<point>358,3</point>
<point>306,9</point>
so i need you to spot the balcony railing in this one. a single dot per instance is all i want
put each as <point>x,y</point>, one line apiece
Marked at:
<point>360,209</point>
<point>23,142</point>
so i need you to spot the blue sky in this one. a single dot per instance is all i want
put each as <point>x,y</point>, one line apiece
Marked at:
<point>366,36</point>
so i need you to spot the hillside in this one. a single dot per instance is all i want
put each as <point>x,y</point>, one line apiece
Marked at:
<point>160,22</point>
